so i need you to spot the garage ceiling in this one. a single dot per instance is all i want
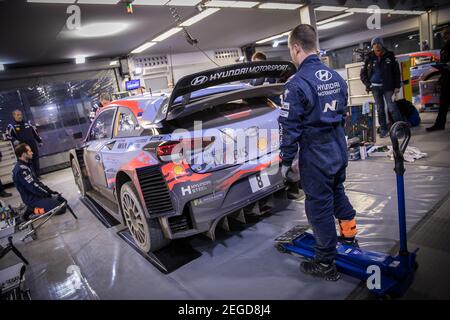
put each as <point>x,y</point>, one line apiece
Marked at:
<point>36,33</point>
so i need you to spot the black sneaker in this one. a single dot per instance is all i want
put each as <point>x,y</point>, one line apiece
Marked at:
<point>5,194</point>
<point>435,128</point>
<point>327,272</point>
<point>349,241</point>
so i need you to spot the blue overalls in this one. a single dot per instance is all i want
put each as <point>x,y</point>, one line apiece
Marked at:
<point>25,132</point>
<point>36,195</point>
<point>312,117</point>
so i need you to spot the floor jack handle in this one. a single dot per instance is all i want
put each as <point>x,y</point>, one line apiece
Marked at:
<point>400,128</point>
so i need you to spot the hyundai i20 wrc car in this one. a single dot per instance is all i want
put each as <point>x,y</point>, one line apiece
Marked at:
<point>172,166</point>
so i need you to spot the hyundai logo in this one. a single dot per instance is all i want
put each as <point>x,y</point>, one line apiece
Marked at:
<point>323,75</point>
<point>199,80</point>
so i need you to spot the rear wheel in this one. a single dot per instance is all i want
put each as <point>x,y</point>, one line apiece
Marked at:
<point>146,232</point>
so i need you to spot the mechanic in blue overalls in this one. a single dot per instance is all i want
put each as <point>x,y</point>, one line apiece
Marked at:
<point>21,131</point>
<point>35,195</point>
<point>312,118</point>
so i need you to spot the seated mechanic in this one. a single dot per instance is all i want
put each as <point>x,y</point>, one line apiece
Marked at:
<point>37,196</point>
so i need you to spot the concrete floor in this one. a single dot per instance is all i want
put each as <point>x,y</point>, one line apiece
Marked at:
<point>243,264</point>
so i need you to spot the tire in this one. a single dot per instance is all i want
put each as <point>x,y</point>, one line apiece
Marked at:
<point>147,233</point>
<point>80,181</point>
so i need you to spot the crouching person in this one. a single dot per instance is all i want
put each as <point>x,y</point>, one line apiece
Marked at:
<point>39,198</point>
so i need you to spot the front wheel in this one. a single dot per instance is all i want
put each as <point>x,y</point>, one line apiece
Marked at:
<point>146,233</point>
<point>79,179</point>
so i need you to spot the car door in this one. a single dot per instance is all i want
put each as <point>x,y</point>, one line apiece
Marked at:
<point>123,146</point>
<point>99,138</point>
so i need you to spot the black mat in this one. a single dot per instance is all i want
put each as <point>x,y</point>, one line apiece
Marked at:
<point>168,259</point>
<point>105,218</point>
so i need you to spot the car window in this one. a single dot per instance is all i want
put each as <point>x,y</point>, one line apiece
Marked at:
<point>126,124</point>
<point>101,129</point>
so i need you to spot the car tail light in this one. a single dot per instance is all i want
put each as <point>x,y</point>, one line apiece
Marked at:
<point>175,150</point>
<point>166,148</point>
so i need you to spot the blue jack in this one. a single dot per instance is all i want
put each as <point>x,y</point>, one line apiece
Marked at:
<point>396,273</point>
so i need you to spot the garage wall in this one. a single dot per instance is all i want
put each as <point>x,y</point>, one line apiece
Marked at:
<point>178,65</point>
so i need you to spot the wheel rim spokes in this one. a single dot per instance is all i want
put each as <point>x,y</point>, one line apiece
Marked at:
<point>133,217</point>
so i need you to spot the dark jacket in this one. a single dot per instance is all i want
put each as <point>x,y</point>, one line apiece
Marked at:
<point>30,188</point>
<point>23,132</point>
<point>445,58</point>
<point>390,71</point>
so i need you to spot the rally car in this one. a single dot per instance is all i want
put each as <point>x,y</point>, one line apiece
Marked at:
<point>172,166</point>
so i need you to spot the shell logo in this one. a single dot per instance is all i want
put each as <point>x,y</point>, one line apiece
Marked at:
<point>262,143</point>
<point>178,170</point>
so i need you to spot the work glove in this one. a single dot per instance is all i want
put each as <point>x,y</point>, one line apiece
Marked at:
<point>287,173</point>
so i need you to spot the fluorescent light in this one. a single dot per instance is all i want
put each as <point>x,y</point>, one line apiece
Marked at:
<point>322,22</point>
<point>150,2</point>
<point>368,10</point>
<point>273,37</point>
<point>80,59</point>
<point>275,44</point>
<point>102,29</point>
<point>2,67</point>
<point>98,1</point>
<point>231,4</point>
<point>114,63</point>
<point>412,12</point>
<point>143,47</point>
<point>167,34</point>
<point>202,15</point>
<point>183,2</point>
<point>330,8</point>
<point>385,11</point>
<point>51,1</point>
<point>331,25</point>
<point>280,6</point>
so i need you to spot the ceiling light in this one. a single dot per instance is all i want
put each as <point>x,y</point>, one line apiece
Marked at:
<point>101,29</point>
<point>2,67</point>
<point>275,44</point>
<point>138,70</point>
<point>114,63</point>
<point>150,2</point>
<point>98,1</point>
<point>331,25</point>
<point>281,6</point>
<point>273,37</point>
<point>183,2</point>
<point>330,8</point>
<point>322,22</point>
<point>385,11</point>
<point>167,34</point>
<point>51,1</point>
<point>202,15</point>
<point>412,12</point>
<point>80,59</point>
<point>143,47</point>
<point>231,4</point>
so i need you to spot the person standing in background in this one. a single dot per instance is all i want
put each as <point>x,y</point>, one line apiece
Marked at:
<point>444,81</point>
<point>105,99</point>
<point>381,75</point>
<point>21,131</point>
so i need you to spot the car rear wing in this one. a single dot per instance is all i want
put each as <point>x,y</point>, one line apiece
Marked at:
<point>280,70</point>
<point>269,90</point>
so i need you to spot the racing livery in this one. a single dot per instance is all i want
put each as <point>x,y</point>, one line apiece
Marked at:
<point>171,166</point>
